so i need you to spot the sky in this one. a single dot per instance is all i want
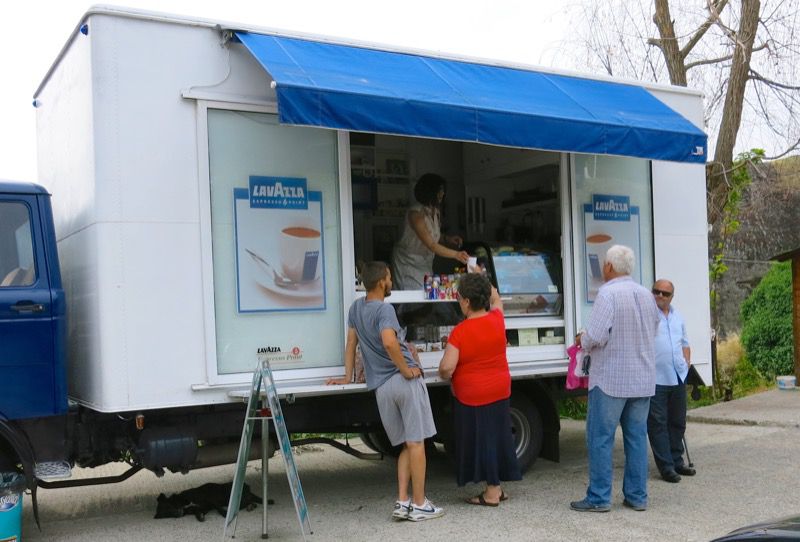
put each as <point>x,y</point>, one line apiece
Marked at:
<point>528,31</point>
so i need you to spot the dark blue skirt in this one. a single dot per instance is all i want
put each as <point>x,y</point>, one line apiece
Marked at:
<point>484,444</point>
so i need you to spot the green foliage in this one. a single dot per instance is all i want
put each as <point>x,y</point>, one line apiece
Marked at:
<point>744,380</point>
<point>717,269</point>
<point>573,408</point>
<point>767,323</point>
<point>738,180</point>
<point>707,397</point>
<point>299,436</point>
<point>747,379</point>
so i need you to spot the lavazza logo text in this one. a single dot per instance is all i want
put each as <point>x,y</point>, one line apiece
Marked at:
<point>607,207</point>
<point>278,193</point>
<point>7,502</point>
<point>275,354</point>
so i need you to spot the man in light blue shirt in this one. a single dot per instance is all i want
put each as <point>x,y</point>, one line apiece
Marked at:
<point>666,422</point>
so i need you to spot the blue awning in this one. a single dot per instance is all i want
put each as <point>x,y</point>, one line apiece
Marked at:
<point>367,90</point>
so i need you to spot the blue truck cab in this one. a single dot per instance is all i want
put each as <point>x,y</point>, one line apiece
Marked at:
<point>33,390</point>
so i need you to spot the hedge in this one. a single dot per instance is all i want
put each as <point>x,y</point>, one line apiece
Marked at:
<point>767,323</point>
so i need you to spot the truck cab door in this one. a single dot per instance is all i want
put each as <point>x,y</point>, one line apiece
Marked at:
<point>27,342</point>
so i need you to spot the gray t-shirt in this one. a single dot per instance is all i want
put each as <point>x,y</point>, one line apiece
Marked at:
<point>369,318</point>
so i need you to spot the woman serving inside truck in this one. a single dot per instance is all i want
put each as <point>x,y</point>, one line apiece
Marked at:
<point>413,254</point>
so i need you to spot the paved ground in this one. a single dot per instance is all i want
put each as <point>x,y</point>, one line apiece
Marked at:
<point>776,408</point>
<point>746,473</point>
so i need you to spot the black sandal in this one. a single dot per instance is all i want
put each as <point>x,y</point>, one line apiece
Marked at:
<point>481,501</point>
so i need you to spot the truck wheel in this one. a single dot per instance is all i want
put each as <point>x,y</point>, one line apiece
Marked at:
<point>382,444</point>
<point>526,426</point>
<point>8,459</point>
<point>366,438</point>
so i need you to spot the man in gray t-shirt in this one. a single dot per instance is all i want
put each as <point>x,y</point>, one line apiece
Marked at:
<point>369,317</point>
<point>400,390</point>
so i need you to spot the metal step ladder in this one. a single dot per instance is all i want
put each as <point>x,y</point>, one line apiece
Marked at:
<point>270,409</point>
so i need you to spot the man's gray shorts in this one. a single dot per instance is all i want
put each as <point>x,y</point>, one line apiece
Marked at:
<point>405,409</point>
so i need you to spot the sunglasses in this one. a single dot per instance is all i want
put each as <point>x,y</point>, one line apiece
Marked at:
<point>662,293</point>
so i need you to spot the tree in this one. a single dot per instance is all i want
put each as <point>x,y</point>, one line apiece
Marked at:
<point>743,54</point>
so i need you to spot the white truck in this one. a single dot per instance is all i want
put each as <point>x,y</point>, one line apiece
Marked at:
<point>214,187</point>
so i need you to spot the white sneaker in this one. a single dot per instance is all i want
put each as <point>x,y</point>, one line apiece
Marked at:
<point>401,509</point>
<point>427,511</point>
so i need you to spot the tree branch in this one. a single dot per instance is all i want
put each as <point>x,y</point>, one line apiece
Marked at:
<point>754,75</point>
<point>691,65</point>
<point>714,9</point>
<point>717,60</point>
<point>732,34</point>
<point>764,45</point>
<point>784,153</point>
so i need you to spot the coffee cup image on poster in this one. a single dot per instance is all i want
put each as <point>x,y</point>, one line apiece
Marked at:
<point>299,250</point>
<point>609,220</point>
<point>279,255</point>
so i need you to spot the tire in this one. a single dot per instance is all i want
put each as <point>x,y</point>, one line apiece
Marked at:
<point>378,441</point>
<point>526,426</point>
<point>8,459</point>
<point>366,438</point>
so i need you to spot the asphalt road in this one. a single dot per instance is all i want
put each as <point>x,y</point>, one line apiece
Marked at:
<point>745,474</point>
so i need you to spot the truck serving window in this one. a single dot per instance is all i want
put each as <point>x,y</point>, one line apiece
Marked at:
<point>16,246</point>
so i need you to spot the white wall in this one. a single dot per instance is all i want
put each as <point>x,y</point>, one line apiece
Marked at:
<point>64,119</point>
<point>681,236</point>
<point>118,149</point>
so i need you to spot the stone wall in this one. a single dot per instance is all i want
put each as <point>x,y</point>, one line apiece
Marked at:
<point>770,225</point>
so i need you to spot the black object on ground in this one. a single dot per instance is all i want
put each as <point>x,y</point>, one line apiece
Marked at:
<point>199,501</point>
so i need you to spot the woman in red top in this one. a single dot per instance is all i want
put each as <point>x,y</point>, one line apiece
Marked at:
<point>475,359</point>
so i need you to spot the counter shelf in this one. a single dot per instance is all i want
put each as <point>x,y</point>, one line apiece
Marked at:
<point>407,296</point>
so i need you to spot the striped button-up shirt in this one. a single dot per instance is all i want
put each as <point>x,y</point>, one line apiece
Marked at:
<point>620,337</point>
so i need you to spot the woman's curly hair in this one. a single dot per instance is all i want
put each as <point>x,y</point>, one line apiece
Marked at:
<point>476,289</point>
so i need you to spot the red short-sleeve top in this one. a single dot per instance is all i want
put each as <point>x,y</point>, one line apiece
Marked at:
<point>481,376</point>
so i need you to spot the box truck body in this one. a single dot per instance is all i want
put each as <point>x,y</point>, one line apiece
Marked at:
<point>179,153</point>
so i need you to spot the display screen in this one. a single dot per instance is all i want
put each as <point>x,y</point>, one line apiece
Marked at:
<point>526,274</point>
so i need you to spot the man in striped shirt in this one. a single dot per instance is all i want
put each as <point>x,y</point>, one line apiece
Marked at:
<point>620,338</point>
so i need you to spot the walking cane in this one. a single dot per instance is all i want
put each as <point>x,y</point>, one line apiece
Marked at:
<point>688,457</point>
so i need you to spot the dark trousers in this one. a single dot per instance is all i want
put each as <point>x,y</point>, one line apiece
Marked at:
<point>666,425</point>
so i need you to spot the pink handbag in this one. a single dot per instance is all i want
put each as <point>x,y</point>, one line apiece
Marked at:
<point>574,381</point>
